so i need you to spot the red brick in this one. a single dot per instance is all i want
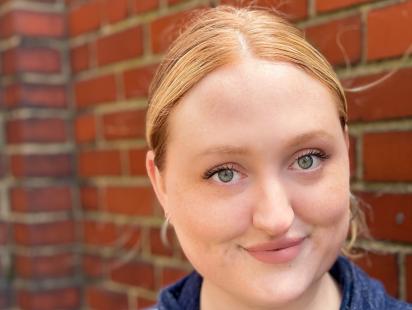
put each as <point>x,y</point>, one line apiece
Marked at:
<point>294,9</point>
<point>409,278</point>
<point>99,298</point>
<point>35,96</point>
<point>4,233</point>
<point>45,165</point>
<point>383,267</point>
<point>7,27</point>
<point>130,237</point>
<point>164,30</point>
<point>145,6</point>
<point>35,59</point>
<point>387,156</point>
<point>95,90</point>
<point>327,5</point>
<point>144,303</point>
<point>352,155</point>
<point>39,24</point>
<point>64,299</point>
<point>137,161</point>
<point>40,199</point>
<point>85,18</point>
<point>136,81</point>
<point>85,127</point>
<point>115,10</point>
<point>102,162</point>
<point>326,36</point>
<point>59,265</point>
<point>389,23</point>
<point>124,124</point>
<point>3,166</point>
<point>387,100</point>
<point>57,232</point>
<point>391,216</point>
<point>100,233</point>
<point>2,96</point>
<point>120,46</point>
<point>136,274</point>
<point>89,198</point>
<point>156,245</point>
<point>130,200</point>
<point>80,58</point>
<point>171,275</point>
<point>36,130</point>
<point>93,266</point>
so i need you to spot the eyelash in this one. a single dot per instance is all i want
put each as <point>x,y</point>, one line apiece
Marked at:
<point>313,152</point>
<point>208,174</point>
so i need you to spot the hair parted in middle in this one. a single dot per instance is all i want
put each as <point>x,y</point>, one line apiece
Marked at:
<point>223,35</point>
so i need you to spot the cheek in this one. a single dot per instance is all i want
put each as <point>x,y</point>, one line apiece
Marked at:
<point>206,220</point>
<point>325,204</point>
<point>206,227</point>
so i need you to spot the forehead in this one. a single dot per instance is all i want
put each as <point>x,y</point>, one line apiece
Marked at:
<point>255,94</point>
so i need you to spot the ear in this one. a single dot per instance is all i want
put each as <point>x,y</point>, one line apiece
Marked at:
<point>156,179</point>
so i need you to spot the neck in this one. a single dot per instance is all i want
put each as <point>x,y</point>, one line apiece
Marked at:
<point>323,294</point>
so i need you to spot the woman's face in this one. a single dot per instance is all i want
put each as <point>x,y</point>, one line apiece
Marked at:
<point>256,181</point>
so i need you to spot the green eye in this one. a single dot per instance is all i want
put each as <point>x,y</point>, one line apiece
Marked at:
<point>225,175</point>
<point>305,162</point>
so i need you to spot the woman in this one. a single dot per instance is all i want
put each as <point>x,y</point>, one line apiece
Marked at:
<point>249,159</point>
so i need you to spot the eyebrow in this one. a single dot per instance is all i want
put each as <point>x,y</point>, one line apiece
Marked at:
<point>225,149</point>
<point>240,150</point>
<point>308,136</point>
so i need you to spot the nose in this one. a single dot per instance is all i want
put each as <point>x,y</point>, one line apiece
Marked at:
<point>273,212</point>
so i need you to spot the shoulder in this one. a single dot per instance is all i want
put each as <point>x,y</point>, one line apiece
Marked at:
<point>394,304</point>
<point>184,294</point>
<point>359,291</point>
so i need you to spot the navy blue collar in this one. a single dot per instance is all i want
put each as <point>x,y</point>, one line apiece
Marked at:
<point>359,292</point>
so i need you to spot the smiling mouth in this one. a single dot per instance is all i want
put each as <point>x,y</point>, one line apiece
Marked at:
<point>277,252</point>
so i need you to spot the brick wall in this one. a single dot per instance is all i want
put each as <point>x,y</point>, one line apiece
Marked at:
<point>39,243</point>
<point>79,224</point>
<point>114,49</point>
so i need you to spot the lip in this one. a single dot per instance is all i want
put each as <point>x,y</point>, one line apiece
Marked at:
<point>278,251</point>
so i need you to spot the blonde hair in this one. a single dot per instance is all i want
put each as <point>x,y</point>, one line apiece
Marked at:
<point>223,35</point>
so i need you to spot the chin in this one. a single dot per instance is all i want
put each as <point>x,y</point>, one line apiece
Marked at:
<point>269,296</point>
<point>273,301</point>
